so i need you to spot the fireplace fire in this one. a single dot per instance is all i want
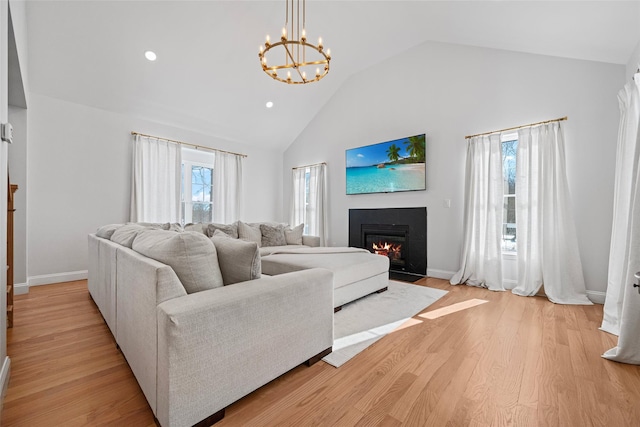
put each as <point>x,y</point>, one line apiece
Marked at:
<point>392,250</point>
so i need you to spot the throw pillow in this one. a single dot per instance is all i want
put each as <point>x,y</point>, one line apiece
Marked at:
<point>192,256</point>
<point>293,236</point>
<point>126,234</point>
<point>106,231</point>
<point>230,229</point>
<point>239,260</point>
<point>250,233</point>
<point>272,235</point>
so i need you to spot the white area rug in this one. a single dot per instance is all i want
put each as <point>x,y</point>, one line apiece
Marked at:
<point>363,322</point>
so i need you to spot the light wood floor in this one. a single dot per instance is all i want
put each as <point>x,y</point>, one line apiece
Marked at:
<point>512,361</point>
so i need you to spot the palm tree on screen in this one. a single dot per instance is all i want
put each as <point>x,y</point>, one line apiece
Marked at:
<point>416,147</point>
<point>393,152</point>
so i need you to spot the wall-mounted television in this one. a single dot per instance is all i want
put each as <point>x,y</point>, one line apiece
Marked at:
<point>387,167</point>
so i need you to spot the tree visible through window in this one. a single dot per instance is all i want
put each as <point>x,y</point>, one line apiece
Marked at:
<point>509,229</point>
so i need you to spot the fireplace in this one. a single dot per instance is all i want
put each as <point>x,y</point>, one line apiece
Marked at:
<point>398,233</point>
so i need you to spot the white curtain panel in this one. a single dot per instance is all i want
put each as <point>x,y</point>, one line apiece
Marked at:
<point>227,187</point>
<point>311,208</point>
<point>155,184</point>
<point>298,201</point>
<point>628,348</point>
<point>547,243</point>
<point>483,215</point>
<point>624,237</point>
<point>317,207</point>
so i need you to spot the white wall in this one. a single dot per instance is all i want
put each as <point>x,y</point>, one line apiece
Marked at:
<point>449,91</point>
<point>79,178</point>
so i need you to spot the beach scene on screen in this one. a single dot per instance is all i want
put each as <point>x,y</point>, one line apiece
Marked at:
<point>387,167</point>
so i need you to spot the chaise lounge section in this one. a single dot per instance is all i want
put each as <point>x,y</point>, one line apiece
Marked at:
<point>356,272</point>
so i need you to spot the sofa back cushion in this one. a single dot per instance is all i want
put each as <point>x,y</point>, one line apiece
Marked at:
<point>106,231</point>
<point>191,255</point>
<point>198,226</point>
<point>239,260</point>
<point>250,232</point>
<point>126,234</point>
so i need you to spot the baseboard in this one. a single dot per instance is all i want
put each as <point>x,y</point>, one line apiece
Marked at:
<point>20,289</point>
<point>596,297</point>
<point>440,274</point>
<point>4,377</point>
<point>47,279</point>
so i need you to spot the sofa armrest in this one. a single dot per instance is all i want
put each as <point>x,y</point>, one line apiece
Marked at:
<point>216,346</point>
<point>313,241</point>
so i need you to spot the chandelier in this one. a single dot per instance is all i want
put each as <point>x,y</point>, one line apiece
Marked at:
<point>293,59</point>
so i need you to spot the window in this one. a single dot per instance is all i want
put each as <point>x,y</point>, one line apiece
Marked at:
<point>197,186</point>
<point>509,229</point>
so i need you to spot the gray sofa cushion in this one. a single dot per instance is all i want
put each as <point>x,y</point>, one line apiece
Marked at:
<point>293,235</point>
<point>275,249</point>
<point>250,233</point>
<point>126,234</point>
<point>349,265</point>
<point>173,226</point>
<point>272,235</point>
<point>106,231</point>
<point>152,225</point>
<point>191,255</point>
<point>229,229</point>
<point>198,226</point>
<point>239,260</point>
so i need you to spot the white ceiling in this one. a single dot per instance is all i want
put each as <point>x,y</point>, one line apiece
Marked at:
<point>207,77</point>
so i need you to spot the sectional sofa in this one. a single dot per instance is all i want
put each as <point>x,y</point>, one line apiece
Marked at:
<point>204,318</point>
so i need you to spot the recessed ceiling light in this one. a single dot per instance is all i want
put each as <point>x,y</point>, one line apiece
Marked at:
<point>269,104</point>
<point>150,55</point>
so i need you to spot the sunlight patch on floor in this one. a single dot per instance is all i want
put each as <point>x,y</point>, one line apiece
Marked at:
<point>453,308</point>
<point>374,333</point>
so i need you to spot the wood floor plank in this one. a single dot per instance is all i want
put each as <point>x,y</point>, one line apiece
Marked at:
<point>517,361</point>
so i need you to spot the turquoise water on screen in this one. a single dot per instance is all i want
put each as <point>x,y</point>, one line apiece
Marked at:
<point>392,178</point>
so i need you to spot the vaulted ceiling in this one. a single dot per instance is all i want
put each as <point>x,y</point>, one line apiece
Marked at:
<point>207,76</point>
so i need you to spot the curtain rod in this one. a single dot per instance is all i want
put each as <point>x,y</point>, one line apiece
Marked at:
<point>517,127</point>
<point>308,166</point>
<point>197,147</point>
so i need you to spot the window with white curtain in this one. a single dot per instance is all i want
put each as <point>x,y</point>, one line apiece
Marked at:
<point>308,200</point>
<point>197,186</point>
